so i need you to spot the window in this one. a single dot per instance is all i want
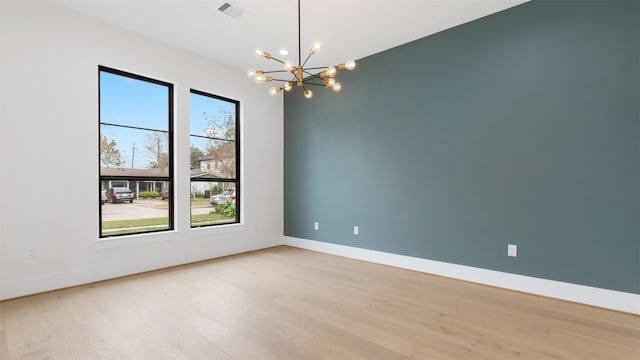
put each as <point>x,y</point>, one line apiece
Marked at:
<point>215,164</point>
<point>136,153</point>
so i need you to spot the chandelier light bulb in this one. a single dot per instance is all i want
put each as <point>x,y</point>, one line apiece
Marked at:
<point>288,86</point>
<point>337,87</point>
<point>315,47</point>
<point>331,71</point>
<point>288,65</point>
<point>260,78</point>
<point>350,65</point>
<point>330,82</point>
<point>251,73</point>
<point>308,93</point>
<point>259,52</point>
<point>274,91</point>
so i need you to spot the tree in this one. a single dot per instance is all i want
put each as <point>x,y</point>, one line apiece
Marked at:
<point>109,153</point>
<point>223,156</point>
<point>156,148</point>
<point>162,162</point>
<point>196,155</point>
<point>221,150</point>
<point>221,125</point>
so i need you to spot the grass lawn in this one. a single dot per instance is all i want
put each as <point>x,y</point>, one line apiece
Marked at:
<point>125,231</point>
<point>126,224</point>
<point>207,219</point>
<point>200,202</point>
<point>119,227</point>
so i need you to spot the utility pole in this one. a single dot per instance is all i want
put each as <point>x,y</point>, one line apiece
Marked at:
<point>133,153</point>
<point>159,166</point>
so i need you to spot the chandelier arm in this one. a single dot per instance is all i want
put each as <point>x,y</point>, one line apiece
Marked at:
<point>310,79</point>
<point>310,83</point>
<point>278,60</point>
<point>312,75</point>
<point>307,59</point>
<point>275,71</point>
<point>281,80</point>
<point>317,68</point>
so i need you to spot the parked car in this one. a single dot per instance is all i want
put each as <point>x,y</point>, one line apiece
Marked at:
<point>103,196</point>
<point>221,198</point>
<point>164,194</point>
<point>120,194</point>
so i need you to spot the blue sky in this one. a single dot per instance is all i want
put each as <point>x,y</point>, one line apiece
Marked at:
<point>203,107</point>
<point>131,102</point>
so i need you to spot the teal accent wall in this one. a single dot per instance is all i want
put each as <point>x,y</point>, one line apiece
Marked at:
<point>522,127</point>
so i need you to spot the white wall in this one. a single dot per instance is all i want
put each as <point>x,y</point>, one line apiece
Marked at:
<point>49,59</point>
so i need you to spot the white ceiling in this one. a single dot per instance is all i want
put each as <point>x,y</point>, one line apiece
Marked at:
<point>347,29</point>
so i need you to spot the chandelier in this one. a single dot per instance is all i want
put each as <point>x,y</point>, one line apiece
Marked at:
<point>300,75</point>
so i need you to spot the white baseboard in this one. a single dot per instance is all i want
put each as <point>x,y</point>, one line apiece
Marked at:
<point>610,299</point>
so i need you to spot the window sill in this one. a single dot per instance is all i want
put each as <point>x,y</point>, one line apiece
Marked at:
<point>147,238</point>
<point>136,239</point>
<point>220,229</point>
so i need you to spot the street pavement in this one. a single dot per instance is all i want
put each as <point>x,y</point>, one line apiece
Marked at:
<point>142,209</point>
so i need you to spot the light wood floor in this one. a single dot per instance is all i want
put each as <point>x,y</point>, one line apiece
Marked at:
<point>286,303</point>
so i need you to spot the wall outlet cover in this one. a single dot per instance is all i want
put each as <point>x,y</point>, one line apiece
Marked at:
<point>512,250</point>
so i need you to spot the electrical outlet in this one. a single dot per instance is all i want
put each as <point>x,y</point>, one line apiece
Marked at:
<point>316,226</point>
<point>356,231</point>
<point>512,250</point>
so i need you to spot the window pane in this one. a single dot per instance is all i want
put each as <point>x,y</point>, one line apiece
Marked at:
<point>133,206</point>
<point>135,123</point>
<point>213,203</point>
<point>215,158</point>
<point>131,102</point>
<point>130,150</point>
<point>212,117</point>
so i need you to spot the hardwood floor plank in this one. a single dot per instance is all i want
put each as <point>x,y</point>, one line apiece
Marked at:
<point>4,350</point>
<point>25,335</point>
<point>66,339</point>
<point>2,327</point>
<point>175,296</point>
<point>287,303</point>
<point>106,339</point>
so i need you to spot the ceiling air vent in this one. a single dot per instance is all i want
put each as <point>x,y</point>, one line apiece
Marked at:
<point>230,10</point>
